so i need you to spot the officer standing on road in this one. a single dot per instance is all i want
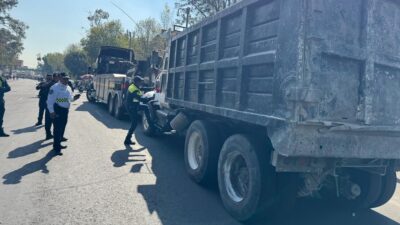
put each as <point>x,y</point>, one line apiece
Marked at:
<point>4,88</point>
<point>43,93</point>
<point>58,103</point>
<point>47,120</point>
<point>132,103</point>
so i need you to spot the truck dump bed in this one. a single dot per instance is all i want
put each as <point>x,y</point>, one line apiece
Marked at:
<point>296,67</point>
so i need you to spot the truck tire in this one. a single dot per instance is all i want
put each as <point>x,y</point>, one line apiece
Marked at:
<point>110,105</point>
<point>388,189</point>
<point>246,180</point>
<point>118,111</point>
<point>370,186</point>
<point>148,128</point>
<point>202,147</point>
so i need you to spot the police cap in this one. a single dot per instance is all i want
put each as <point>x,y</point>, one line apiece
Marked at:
<point>137,79</point>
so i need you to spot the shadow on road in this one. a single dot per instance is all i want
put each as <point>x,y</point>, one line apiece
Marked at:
<point>178,200</point>
<point>16,176</point>
<point>27,150</point>
<point>313,212</point>
<point>121,157</point>
<point>27,130</point>
<point>99,111</point>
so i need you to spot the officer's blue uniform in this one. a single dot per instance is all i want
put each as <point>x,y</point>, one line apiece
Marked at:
<point>58,102</point>
<point>132,106</point>
<point>4,88</point>
<point>43,88</point>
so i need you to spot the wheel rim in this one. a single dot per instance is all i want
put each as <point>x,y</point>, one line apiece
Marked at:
<point>195,150</point>
<point>236,176</point>
<point>145,123</point>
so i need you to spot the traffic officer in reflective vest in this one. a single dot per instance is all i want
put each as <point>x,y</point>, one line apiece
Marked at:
<point>132,106</point>
<point>4,88</point>
<point>58,103</point>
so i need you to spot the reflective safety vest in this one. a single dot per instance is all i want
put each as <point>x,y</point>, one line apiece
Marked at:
<point>134,90</point>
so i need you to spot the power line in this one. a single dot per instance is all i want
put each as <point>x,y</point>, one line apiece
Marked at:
<point>123,11</point>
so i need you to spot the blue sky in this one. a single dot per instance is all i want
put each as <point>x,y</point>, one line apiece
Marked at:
<point>55,24</point>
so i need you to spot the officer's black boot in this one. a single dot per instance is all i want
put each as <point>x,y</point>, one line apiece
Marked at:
<point>3,134</point>
<point>128,141</point>
<point>49,136</point>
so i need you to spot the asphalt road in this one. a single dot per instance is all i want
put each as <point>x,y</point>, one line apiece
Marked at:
<point>100,181</point>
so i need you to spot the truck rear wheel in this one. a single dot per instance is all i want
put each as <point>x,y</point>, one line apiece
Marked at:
<point>110,105</point>
<point>247,182</point>
<point>389,182</point>
<point>202,147</point>
<point>148,128</point>
<point>118,112</point>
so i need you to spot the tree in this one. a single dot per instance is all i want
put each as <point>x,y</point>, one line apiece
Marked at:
<point>52,63</point>
<point>109,33</point>
<point>75,61</point>
<point>166,18</point>
<point>12,32</point>
<point>97,17</point>
<point>145,33</point>
<point>200,9</point>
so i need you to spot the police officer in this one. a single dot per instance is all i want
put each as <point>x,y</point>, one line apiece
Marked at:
<point>43,92</point>
<point>58,103</point>
<point>47,118</point>
<point>4,88</point>
<point>133,99</point>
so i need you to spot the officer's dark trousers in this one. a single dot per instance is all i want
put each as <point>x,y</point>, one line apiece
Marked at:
<point>2,110</point>
<point>133,114</point>
<point>60,122</point>
<point>42,108</point>
<point>47,122</point>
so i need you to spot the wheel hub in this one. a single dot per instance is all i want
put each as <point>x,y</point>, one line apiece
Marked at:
<point>236,177</point>
<point>145,123</point>
<point>195,151</point>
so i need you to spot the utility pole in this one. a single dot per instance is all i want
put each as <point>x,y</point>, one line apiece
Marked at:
<point>130,38</point>
<point>187,16</point>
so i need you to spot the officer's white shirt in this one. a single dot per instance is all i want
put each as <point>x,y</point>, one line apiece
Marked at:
<point>61,95</point>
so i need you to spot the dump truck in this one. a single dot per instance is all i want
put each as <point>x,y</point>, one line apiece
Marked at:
<point>284,99</point>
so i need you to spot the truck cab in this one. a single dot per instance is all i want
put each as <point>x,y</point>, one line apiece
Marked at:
<point>111,81</point>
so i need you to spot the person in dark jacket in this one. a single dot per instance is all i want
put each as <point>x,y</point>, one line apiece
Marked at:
<point>48,122</point>
<point>133,99</point>
<point>4,88</point>
<point>43,88</point>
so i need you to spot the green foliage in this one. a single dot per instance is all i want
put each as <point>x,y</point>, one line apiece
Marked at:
<point>52,63</point>
<point>97,17</point>
<point>200,9</point>
<point>166,18</point>
<point>12,32</point>
<point>146,39</point>
<point>109,33</point>
<point>76,62</point>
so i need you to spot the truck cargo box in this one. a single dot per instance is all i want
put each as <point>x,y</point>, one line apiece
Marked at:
<point>322,75</point>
